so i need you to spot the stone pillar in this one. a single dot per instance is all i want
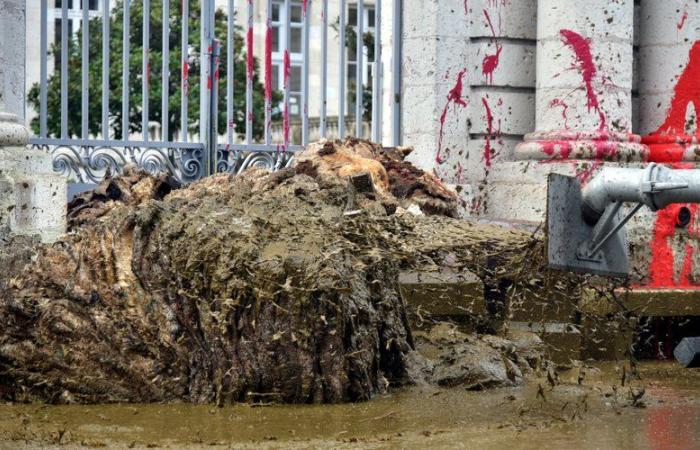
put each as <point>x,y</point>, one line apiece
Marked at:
<point>32,197</point>
<point>583,105</point>
<point>669,79</point>
<point>584,83</point>
<point>435,83</point>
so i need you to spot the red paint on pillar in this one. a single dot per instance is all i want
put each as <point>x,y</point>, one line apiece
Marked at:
<point>490,62</point>
<point>662,265</point>
<point>584,63</point>
<point>681,23</point>
<point>564,107</point>
<point>453,96</point>
<point>491,132</point>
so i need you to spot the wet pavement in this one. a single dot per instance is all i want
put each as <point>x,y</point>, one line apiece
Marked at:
<point>585,407</point>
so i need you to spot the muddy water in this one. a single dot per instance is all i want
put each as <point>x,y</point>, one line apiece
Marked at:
<point>597,413</point>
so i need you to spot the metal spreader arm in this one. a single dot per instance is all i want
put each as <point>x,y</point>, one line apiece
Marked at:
<point>585,230</point>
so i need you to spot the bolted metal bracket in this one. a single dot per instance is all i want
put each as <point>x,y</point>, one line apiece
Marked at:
<point>573,244</point>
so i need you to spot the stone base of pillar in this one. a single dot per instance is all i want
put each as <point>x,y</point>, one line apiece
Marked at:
<point>32,195</point>
<point>580,145</point>
<point>671,148</point>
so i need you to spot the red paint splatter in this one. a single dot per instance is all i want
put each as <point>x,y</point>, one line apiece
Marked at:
<point>186,76</point>
<point>466,6</point>
<point>491,133</point>
<point>268,62</point>
<point>584,63</point>
<point>285,119</point>
<point>662,267</point>
<point>304,5</point>
<point>249,56</point>
<point>564,107</point>
<point>681,24</point>
<point>453,96</point>
<point>490,62</point>
<point>459,170</point>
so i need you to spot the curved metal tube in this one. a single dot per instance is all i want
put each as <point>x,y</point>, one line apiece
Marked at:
<point>655,186</point>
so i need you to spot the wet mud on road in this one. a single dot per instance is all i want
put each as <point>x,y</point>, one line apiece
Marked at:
<point>661,409</point>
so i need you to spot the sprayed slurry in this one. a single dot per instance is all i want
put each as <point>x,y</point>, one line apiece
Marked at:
<point>490,62</point>
<point>584,63</point>
<point>454,96</point>
<point>285,119</point>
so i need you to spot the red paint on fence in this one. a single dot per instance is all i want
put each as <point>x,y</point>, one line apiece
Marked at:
<point>584,63</point>
<point>304,5</point>
<point>186,76</point>
<point>268,62</point>
<point>285,118</point>
<point>249,56</point>
<point>454,96</point>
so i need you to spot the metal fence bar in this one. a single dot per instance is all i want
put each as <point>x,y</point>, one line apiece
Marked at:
<point>125,70</point>
<point>43,70</point>
<point>184,71</point>
<point>287,68</point>
<point>358,74</point>
<point>206,84</point>
<point>397,27</point>
<point>64,69</point>
<point>230,30</point>
<point>249,77</point>
<point>146,68</point>
<point>377,80</point>
<point>324,67</point>
<point>105,69</point>
<point>268,75</point>
<point>84,68</point>
<point>165,89</point>
<point>305,73</point>
<point>343,72</point>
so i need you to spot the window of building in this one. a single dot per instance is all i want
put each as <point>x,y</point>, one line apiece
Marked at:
<point>368,23</point>
<point>278,19</point>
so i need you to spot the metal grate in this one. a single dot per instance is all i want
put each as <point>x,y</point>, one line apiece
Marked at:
<point>187,155</point>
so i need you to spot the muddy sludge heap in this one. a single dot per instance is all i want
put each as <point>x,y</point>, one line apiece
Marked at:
<point>264,286</point>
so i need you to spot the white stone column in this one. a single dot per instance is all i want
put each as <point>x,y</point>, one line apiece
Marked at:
<point>669,83</point>
<point>584,83</point>
<point>435,83</point>
<point>32,197</point>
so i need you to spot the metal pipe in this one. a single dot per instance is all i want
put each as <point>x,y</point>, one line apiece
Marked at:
<point>655,186</point>
<point>343,72</point>
<point>43,70</point>
<point>125,70</point>
<point>359,84</point>
<point>165,82</point>
<point>185,70</point>
<point>105,69</point>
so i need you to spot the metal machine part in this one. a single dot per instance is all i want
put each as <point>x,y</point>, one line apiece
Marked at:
<point>585,226</point>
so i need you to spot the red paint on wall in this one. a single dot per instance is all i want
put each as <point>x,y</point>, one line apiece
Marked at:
<point>681,23</point>
<point>491,133</point>
<point>662,273</point>
<point>584,63</point>
<point>557,102</point>
<point>453,96</point>
<point>490,62</point>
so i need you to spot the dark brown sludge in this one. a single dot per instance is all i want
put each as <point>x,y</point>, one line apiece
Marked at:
<point>273,287</point>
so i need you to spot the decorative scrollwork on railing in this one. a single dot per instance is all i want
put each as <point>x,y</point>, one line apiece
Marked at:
<point>91,163</point>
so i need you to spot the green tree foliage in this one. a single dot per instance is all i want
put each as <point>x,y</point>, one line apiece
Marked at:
<point>155,75</point>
